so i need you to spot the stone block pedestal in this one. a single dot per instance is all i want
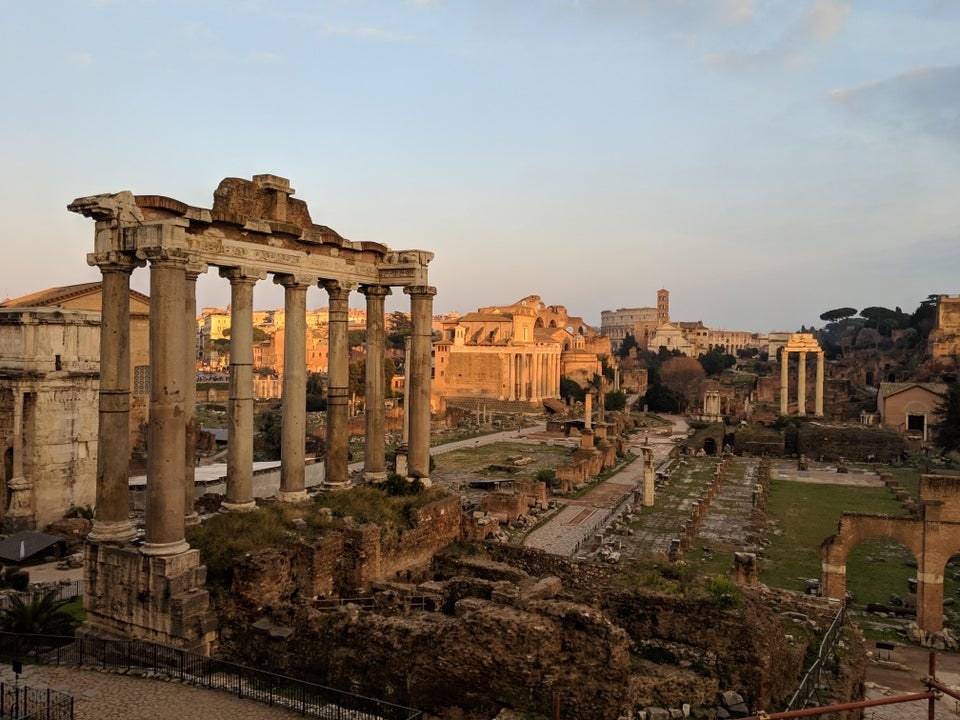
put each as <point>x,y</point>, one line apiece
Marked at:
<point>156,598</point>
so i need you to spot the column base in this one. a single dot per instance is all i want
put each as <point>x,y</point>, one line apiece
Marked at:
<point>158,549</point>
<point>292,496</point>
<point>375,476</point>
<point>112,531</point>
<point>191,519</point>
<point>345,485</point>
<point>226,506</point>
<point>425,481</point>
<point>158,598</point>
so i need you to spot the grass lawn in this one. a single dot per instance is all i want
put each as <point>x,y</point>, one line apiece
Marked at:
<point>805,515</point>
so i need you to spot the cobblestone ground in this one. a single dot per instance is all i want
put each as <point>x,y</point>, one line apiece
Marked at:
<point>109,696</point>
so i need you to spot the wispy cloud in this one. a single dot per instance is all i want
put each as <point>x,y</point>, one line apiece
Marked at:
<point>820,23</point>
<point>924,99</point>
<point>81,58</point>
<point>263,56</point>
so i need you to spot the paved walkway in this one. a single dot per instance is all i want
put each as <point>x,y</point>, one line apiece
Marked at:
<point>574,525</point>
<point>109,696</point>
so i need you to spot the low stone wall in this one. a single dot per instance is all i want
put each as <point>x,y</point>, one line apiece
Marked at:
<point>346,562</point>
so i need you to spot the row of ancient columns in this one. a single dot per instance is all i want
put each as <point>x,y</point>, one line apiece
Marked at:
<point>801,384</point>
<point>531,376</point>
<point>172,420</point>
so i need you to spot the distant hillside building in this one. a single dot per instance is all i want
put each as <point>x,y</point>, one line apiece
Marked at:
<point>49,399</point>
<point>944,340</point>
<point>639,322</point>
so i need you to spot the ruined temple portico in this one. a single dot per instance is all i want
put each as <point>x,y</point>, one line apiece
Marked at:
<point>153,588</point>
<point>802,344</point>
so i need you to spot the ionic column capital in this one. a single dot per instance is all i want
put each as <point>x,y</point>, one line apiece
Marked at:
<point>114,261</point>
<point>375,290</point>
<point>420,290</point>
<point>294,281</point>
<point>242,275</point>
<point>337,290</point>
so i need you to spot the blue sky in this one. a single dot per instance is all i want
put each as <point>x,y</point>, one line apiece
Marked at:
<point>764,160</point>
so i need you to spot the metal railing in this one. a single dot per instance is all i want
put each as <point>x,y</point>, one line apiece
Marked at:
<point>19,702</point>
<point>812,683</point>
<point>162,662</point>
<point>65,591</point>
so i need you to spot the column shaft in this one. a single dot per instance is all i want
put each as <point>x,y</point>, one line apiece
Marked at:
<point>802,385</point>
<point>374,460</point>
<point>294,418</point>
<point>164,529</point>
<point>190,396</point>
<point>240,402</point>
<point>818,398</point>
<point>784,393</point>
<point>112,514</point>
<point>421,344</point>
<point>338,387</point>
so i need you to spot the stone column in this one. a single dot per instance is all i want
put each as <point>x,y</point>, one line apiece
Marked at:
<point>294,418</point>
<point>164,526</point>
<point>504,393</point>
<point>512,377</point>
<point>534,377</point>
<point>20,502</point>
<point>240,403</point>
<point>374,462</point>
<point>190,392</point>
<point>818,398</point>
<point>111,522</point>
<point>338,387</point>
<point>406,391</point>
<point>802,384</point>
<point>588,410</point>
<point>784,392</point>
<point>421,343</point>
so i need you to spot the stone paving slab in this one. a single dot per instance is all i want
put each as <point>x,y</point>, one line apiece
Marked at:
<point>110,696</point>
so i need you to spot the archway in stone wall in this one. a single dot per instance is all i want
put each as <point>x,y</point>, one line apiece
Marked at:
<point>879,571</point>
<point>857,528</point>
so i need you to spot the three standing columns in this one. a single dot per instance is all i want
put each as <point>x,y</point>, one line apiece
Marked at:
<point>418,392</point>
<point>374,464</point>
<point>801,383</point>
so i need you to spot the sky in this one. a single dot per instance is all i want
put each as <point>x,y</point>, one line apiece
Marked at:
<point>763,160</point>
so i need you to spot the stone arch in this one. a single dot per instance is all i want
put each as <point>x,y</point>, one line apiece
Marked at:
<point>538,323</point>
<point>853,529</point>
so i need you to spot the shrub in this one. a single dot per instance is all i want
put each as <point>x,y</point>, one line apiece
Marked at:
<point>724,591</point>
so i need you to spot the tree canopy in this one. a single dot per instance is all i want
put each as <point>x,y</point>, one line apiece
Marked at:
<point>947,429</point>
<point>838,314</point>
<point>683,376</point>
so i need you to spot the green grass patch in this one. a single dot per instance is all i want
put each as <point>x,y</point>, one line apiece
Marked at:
<point>806,514</point>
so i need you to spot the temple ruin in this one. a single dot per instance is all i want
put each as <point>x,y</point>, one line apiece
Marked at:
<point>802,344</point>
<point>152,587</point>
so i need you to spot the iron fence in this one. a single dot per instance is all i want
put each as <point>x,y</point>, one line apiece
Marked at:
<point>167,663</point>
<point>64,590</point>
<point>812,682</point>
<point>19,702</point>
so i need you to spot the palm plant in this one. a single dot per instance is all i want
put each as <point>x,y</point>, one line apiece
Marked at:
<point>42,615</point>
